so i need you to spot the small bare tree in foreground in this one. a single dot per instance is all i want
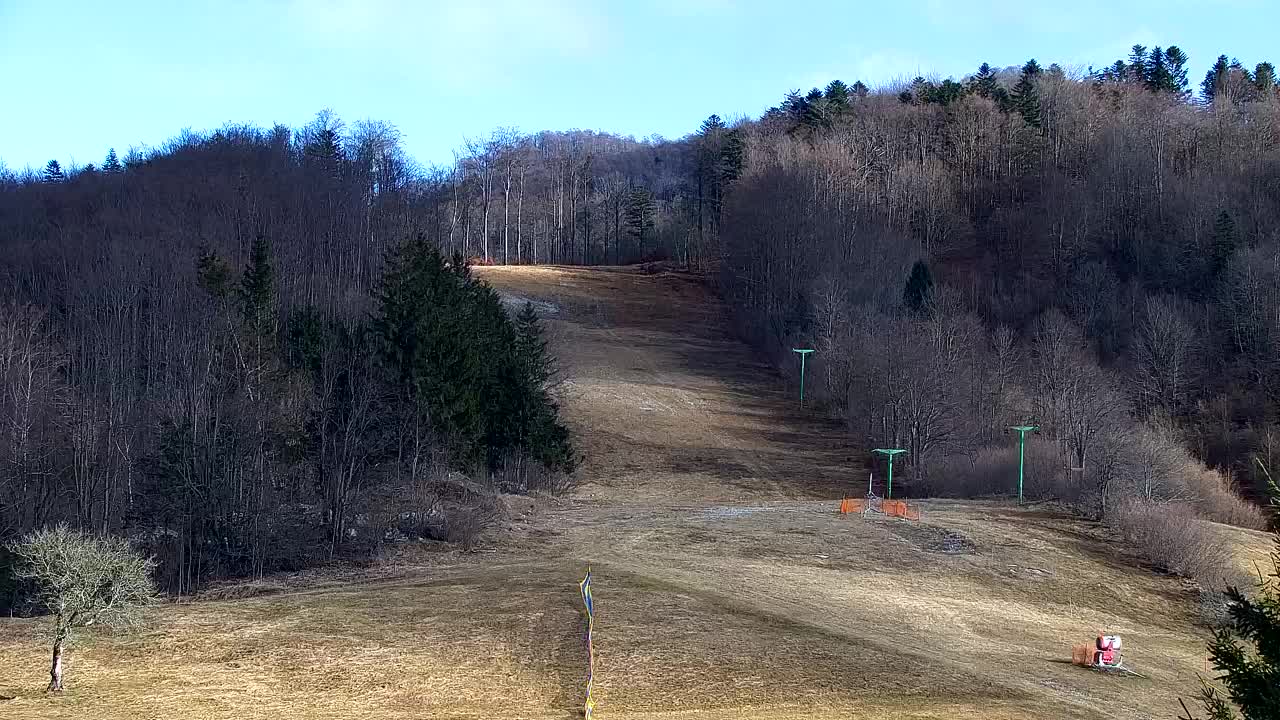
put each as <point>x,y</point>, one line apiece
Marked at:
<point>82,580</point>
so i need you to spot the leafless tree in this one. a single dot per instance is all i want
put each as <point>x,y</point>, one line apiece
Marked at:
<point>83,581</point>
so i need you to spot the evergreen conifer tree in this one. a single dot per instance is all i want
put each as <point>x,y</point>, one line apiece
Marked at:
<point>1138,64</point>
<point>1026,96</point>
<point>984,82</point>
<point>918,292</point>
<point>1176,61</point>
<point>1215,79</point>
<point>213,275</point>
<point>1117,72</point>
<point>112,163</point>
<point>53,172</point>
<point>323,148</point>
<point>837,94</point>
<point>732,157</point>
<point>1264,81</point>
<point>424,340</point>
<point>1222,245</point>
<point>796,106</point>
<point>541,431</point>
<point>1158,77</point>
<point>531,349</point>
<point>464,367</point>
<point>638,217</point>
<point>257,292</point>
<point>859,90</point>
<point>817,110</point>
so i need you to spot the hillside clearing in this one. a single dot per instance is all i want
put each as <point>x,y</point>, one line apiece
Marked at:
<point>727,584</point>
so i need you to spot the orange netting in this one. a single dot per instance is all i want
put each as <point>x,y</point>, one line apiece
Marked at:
<point>899,508</point>
<point>892,508</point>
<point>1081,654</point>
<point>852,505</point>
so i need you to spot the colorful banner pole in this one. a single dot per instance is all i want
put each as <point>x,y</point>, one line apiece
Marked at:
<point>585,588</point>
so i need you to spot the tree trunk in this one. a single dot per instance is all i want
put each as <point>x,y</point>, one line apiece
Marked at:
<point>487,188</point>
<point>55,669</point>
<point>506,207</point>
<point>520,219</point>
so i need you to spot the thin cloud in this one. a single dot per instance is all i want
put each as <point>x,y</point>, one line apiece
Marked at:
<point>692,8</point>
<point>505,29</point>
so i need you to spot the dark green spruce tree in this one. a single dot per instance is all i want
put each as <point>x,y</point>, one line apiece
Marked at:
<point>919,290</point>
<point>1176,60</point>
<point>1222,245</point>
<point>112,163</point>
<point>639,218</point>
<point>53,172</point>
<point>1026,96</point>
<point>257,292</point>
<point>546,438</point>
<point>425,340</point>
<point>1264,81</point>
<point>1158,78</point>
<point>795,106</point>
<point>461,365</point>
<point>1116,73</point>
<point>818,111</point>
<point>984,82</point>
<point>213,274</point>
<point>1222,78</point>
<point>837,95</point>
<point>1138,64</point>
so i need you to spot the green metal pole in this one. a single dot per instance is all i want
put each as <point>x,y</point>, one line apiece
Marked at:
<point>889,453</point>
<point>889,488</point>
<point>803,353</point>
<point>1022,453</point>
<point>1022,456</point>
<point>802,378</point>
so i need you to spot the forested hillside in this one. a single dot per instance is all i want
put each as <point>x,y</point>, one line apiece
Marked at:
<point>202,338</point>
<point>1097,255</point>
<point>244,352</point>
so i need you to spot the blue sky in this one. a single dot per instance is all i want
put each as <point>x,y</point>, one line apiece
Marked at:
<point>79,77</point>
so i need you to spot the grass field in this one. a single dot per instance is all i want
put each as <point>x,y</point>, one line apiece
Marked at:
<point>727,585</point>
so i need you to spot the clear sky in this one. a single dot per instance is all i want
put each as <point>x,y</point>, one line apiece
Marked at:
<point>77,77</point>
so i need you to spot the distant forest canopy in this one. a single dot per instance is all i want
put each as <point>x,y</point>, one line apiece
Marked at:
<point>1099,255</point>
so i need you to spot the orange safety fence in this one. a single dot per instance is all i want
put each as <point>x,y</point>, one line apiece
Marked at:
<point>892,508</point>
<point>1081,654</point>
<point>899,508</point>
<point>852,505</point>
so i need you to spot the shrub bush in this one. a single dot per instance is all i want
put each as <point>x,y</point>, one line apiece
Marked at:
<point>1154,465</point>
<point>1174,538</point>
<point>994,471</point>
<point>1220,502</point>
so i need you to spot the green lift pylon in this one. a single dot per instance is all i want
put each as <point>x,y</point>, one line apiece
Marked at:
<point>803,352</point>
<point>889,453</point>
<point>1022,452</point>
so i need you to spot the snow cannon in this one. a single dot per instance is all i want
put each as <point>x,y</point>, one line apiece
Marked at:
<point>1102,654</point>
<point>1107,651</point>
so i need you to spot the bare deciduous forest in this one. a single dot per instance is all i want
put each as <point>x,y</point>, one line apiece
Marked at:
<point>217,347</point>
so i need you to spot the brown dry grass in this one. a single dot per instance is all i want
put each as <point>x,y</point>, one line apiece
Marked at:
<point>727,585</point>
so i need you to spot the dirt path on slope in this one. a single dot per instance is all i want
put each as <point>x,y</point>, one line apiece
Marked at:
<point>667,405</point>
